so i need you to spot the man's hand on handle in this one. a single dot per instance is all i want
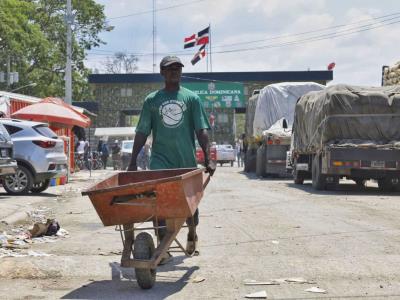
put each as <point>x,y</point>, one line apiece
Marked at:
<point>210,166</point>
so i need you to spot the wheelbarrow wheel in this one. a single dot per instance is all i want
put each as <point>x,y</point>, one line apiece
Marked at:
<point>144,249</point>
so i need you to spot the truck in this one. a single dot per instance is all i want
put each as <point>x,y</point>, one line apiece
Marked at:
<point>347,132</point>
<point>225,154</point>
<point>273,119</point>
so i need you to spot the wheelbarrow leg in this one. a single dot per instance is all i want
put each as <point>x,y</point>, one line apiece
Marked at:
<point>128,243</point>
<point>173,226</point>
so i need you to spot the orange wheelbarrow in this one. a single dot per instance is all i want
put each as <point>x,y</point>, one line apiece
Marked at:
<point>126,198</point>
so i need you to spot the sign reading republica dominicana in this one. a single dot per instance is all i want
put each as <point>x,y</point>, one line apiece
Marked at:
<point>218,94</point>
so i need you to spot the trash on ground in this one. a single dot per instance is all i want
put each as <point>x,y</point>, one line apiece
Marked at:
<point>37,253</point>
<point>257,295</point>
<point>275,242</point>
<point>20,253</point>
<point>315,289</point>
<point>49,228</point>
<point>298,280</point>
<point>218,226</point>
<point>255,282</point>
<point>197,279</point>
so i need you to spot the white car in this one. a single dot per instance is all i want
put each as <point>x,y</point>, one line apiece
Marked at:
<point>225,154</point>
<point>126,153</point>
<point>39,154</point>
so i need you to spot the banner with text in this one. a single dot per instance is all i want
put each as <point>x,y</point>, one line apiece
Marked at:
<point>218,94</point>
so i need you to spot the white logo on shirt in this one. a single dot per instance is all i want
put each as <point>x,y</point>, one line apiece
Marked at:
<point>171,113</point>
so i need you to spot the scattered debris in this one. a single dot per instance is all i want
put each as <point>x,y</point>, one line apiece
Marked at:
<point>218,226</point>
<point>299,280</point>
<point>294,280</point>
<point>315,289</point>
<point>49,228</point>
<point>20,253</point>
<point>255,282</point>
<point>257,295</point>
<point>197,279</point>
<point>37,253</point>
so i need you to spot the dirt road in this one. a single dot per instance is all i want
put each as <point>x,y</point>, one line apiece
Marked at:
<point>346,242</point>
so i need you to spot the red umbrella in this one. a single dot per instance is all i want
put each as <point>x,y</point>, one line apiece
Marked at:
<point>54,111</point>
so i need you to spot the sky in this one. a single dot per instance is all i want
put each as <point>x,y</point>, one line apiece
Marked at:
<point>360,36</point>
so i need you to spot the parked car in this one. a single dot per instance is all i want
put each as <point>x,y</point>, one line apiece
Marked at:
<point>126,153</point>
<point>225,154</point>
<point>39,154</point>
<point>200,153</point>
<point>8,165</point>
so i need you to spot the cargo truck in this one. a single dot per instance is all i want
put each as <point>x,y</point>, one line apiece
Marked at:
<point>273,119</point>
<point>347,132</point>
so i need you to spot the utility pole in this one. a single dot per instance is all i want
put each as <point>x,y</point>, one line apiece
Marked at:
<point>154,36</point>
<point>8,72</point>
<point>68,67</point>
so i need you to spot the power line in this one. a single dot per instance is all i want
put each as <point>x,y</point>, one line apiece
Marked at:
<point>345,32</point>
<point>156,10</point>
<point>311,31</point>
<point>311,39</point>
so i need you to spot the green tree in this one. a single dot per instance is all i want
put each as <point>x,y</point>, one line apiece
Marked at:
<point>121,63</point>
<point>37,46</point>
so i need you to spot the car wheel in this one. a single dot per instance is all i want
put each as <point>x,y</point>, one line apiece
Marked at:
<point>40,186</point>
<point>18,183</point>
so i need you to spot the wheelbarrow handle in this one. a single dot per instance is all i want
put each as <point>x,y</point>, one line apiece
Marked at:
<point>206,180</point>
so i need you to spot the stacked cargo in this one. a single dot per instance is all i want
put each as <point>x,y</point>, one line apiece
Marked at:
<point>391,75</point>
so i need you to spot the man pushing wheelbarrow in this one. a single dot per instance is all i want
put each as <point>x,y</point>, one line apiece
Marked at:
<point>173,115</point>
<point>170,192</point>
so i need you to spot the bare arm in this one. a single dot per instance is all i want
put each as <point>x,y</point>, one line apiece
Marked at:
<point>202,137</point>
<point>138,143</point>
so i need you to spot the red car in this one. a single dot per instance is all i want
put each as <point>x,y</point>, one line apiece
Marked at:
<point>200,154</point>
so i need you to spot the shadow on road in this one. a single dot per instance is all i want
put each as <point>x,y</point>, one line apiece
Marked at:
<point>123,283</point>
<point>268,178</point>
<point>343,189</point>
<point>48,195</point>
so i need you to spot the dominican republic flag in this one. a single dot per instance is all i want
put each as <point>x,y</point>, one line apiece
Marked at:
<point>201,38</point>
<point>199,55</point>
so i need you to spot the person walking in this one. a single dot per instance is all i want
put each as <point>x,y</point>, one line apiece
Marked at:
<point>115,155</point>
<point>238,150</point>
<point>105,153</point>
<point>174,115</point>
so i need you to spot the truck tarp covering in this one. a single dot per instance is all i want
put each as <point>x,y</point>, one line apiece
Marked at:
<point>277,101</point>
<point>346,115</point>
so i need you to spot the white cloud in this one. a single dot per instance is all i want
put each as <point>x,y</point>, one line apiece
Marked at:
<point>359,57</point>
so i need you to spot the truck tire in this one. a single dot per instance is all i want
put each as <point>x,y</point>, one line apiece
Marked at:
<point>143,249</point>
<point>318,179</point>
<point>389,184</point>
<point>297,177</point>
<point>333,184</point>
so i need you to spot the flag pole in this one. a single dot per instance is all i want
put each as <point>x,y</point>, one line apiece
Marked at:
<point>210,48</point>
<point>207,60</point>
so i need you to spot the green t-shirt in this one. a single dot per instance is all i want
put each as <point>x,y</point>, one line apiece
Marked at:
<point>173,117</point>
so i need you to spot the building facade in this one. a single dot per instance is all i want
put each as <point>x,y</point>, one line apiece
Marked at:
<point>120,96</point>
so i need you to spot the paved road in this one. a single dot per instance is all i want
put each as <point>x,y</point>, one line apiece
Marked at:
<point>346,242</point>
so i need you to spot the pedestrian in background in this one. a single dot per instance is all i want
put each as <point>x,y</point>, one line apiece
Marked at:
<point>115,155</point>
<point>104,154</point>
<point>238,150</point>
